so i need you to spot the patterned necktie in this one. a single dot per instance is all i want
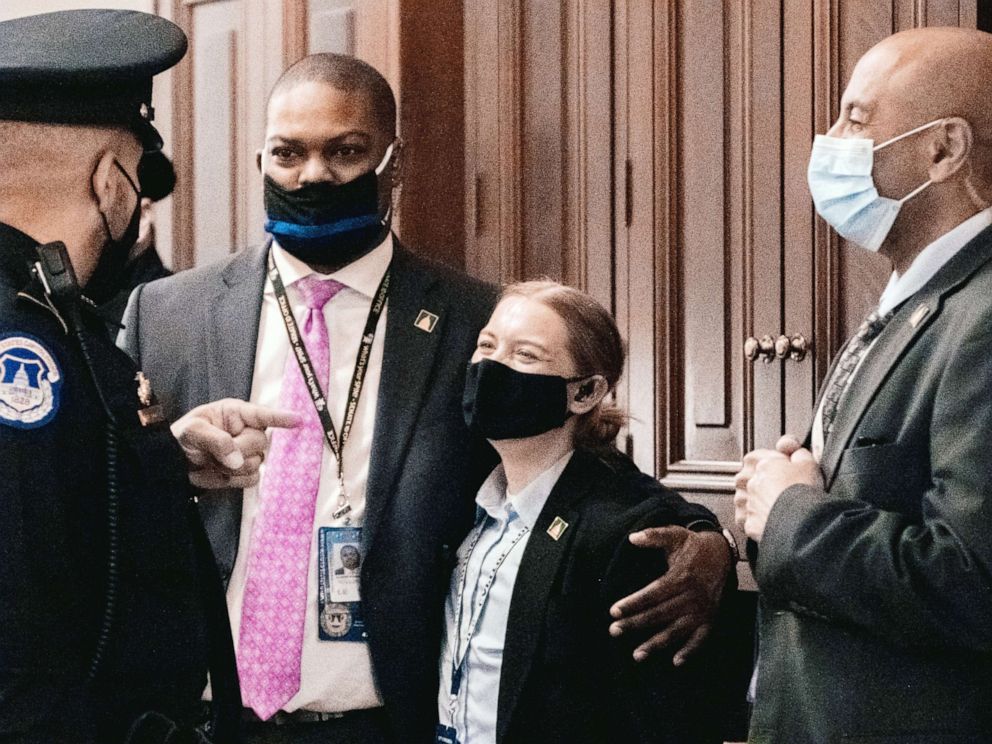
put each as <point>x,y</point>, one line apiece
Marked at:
<point>853,353</point>
<point>272,617</point>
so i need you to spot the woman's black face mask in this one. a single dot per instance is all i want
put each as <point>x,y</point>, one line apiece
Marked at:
<point>332,224</point>
<point>502,403</point>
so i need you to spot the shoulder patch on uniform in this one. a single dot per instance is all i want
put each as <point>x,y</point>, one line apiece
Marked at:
<point>30,382</point>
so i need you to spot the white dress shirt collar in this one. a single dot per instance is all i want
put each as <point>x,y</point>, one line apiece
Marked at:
<point>931,260</point>
<point>494,497</point>
<point>362,275</point>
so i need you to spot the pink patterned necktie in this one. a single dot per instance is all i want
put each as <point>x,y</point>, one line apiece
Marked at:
<point>274,610</point>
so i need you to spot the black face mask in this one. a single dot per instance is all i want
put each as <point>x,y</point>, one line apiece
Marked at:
<point>108,276</point>
<point>331,224</point>
<point>502,403</point>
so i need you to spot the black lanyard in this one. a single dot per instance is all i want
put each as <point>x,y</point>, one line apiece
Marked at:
<point>334,441</point>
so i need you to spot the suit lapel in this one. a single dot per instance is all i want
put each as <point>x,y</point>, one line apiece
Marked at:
<point>232,320</point>
<point>534,583</point>
<point>905,327</point>
<point>408,357</point>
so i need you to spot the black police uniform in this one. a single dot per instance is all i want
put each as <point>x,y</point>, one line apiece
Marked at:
<point>111,611</point>
<point>54,533</point>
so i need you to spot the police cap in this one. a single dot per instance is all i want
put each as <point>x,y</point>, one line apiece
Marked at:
<point>86,67</point>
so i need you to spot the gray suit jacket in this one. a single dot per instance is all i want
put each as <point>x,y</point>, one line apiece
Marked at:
<point>194,335</point>
<point>877,588</point>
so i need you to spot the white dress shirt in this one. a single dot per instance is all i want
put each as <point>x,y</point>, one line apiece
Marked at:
<point>492,552</point>
<point>900,288</point>
<point>334,676</point>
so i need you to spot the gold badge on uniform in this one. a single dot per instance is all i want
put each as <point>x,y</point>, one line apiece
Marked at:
<point>426,321</point>
<point>150,412</point>
<point>557,528</point>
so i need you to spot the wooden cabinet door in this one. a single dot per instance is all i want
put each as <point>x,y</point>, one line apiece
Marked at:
<point>716,105</point>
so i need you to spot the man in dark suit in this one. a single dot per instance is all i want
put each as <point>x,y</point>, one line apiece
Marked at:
<point>874,560</point>
<point>407,472</point>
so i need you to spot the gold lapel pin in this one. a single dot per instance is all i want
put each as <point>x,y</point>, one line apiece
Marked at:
<point>918,314</point>
<point>426,321</point>
<point>557,528</point>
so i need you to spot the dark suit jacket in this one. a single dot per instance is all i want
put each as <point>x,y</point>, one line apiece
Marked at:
<point>564,679</point>
<point>194,336</point>
<point>877,588</point>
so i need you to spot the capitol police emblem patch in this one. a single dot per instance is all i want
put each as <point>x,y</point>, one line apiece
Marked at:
<point>30,382</point>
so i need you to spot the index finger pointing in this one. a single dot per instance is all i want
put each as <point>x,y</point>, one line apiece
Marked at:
<point>255,416</point>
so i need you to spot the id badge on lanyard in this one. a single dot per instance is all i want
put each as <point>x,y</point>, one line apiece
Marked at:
<point>339,598</point>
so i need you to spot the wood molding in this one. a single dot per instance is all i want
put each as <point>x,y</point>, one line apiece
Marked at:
<point>669,396</point>
<point>493,123</point>
<point>510,150</point>
<point>589,132</point>
<point>183,249</point>
<point>295,36</point>
<point>827,325</point>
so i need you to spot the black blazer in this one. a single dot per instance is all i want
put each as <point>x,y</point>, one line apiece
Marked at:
<point>564,679</point>
<point>194,335</point>
<point>876,590</point>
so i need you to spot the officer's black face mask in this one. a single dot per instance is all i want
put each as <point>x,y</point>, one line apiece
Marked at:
<point>332,224</point>
<point>502,403</point>
<point>108,276</point>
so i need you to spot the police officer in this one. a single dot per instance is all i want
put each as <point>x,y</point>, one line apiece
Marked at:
<point>110,611</point>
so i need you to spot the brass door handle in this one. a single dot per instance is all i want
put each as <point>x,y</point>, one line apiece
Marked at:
<point>783,347</point>
<point>763,348</point>
<point>799,346</point>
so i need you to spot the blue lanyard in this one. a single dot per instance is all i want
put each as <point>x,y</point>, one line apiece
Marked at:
<point>458,655</point>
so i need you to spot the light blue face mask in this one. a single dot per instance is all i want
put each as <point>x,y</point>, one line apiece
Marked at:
<point>844,192</point>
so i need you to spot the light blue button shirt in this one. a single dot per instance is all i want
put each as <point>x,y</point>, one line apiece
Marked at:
<point>931,260</point>
<point>491,553</point>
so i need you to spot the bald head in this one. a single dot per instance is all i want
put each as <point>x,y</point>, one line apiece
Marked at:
<point>348,75</point>
<point>930,73</point>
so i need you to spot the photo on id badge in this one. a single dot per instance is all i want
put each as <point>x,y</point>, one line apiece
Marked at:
<point>339,593</point>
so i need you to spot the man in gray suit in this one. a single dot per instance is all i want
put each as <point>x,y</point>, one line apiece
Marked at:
<point>395,471</point>
<point>873,553</point>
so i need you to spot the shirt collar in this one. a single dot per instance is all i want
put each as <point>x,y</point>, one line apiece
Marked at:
<point>363,275</point>
<point>931,260</point>
<point>494,500</point>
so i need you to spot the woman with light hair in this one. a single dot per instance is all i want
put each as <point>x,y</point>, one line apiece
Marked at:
<point>526,655</point>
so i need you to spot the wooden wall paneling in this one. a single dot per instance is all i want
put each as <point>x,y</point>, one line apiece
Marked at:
<point>826,89</point>
<point>368,29</point>
<point>264,37</point>
<point>295,30</point>
<point>636,239</point>
<point>542,174</point>
<point>163,97</point>
<point>621,244</point>
<point>217,181</point>
<point>762,209</point>
<point>182,145</point>
<point>588,147</point>
<point>700,240</point>
<point>798,265</point>
<point>492,139</point>
<point>208,206</point>
<point>432,78</point>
